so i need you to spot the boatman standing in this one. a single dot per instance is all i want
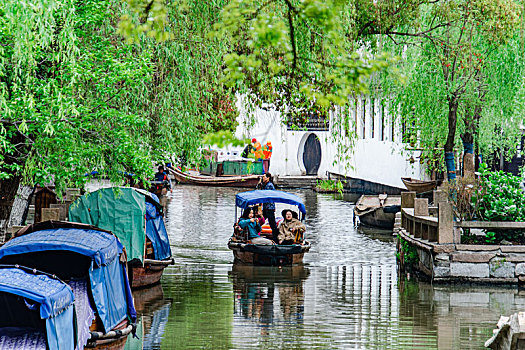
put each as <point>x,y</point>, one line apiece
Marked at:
<point>269,208</point>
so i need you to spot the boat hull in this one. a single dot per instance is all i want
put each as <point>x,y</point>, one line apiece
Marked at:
<point>247,181</point>
<point>378,211</point>
<point>147,275</point>
<point>419,186</point>
<point>378,218</point>
<point>113,340</point>
<point>268,255</point>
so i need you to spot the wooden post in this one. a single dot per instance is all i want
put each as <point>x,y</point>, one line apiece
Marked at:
<point>407,199</point>
<point>50,214</point>
<point>421,207</point>
<point>439,196</point>
<point>63,210</point>
<point>445,223</point>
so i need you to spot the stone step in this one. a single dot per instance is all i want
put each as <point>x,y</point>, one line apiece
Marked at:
<point>296,181</point>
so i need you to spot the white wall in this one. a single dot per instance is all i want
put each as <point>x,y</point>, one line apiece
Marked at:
<point>371,159</point>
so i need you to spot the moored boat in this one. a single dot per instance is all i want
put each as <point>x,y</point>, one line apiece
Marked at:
<point>37,311</point>
<point>135,217</point>
<point>419,186</point>
<point>92,262</point>
<point>247,181</point>
<point>244,251</point>
<point>378,211</point>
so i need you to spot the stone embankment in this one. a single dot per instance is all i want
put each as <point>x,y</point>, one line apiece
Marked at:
<point>429,242</point>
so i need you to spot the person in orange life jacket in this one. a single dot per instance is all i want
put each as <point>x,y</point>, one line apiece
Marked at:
<point>269,208</point>
<point>257,151</point>
<point>267,151</point>
<point>249,221</point>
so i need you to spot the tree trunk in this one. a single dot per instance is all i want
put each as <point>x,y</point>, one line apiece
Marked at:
<point>449,145</point>
<point>471,129</point>
<point>8,190</point>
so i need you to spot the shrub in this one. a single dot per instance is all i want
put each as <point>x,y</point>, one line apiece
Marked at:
<point>499,197</point>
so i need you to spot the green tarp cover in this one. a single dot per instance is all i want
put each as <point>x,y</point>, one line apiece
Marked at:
<point>120,210</point>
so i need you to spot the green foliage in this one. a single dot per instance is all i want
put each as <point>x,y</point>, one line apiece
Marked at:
<point>463,72</point>
<point>76,97</point>
<point>408,254</point>
<point>490,237</point>
<point>223,139</point>
<point>330,186</point>
<point>500,198</point>
<point>294,54</point>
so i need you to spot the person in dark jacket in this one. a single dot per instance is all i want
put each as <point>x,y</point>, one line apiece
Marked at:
<point>269,208</point>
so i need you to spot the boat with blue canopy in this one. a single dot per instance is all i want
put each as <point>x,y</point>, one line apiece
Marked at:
<point>37,310</point>
<point>246,252</point>
<point>136,217</point>
<point>93,263</point>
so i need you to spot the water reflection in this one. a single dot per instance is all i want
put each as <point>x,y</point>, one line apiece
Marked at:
<point>347,295</point>
<point>258,289</point>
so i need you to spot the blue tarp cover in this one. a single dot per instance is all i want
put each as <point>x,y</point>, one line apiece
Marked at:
<point>53,295</point>
<point>100,246</point>
<point>55,299</point>
<point>108,278</point>
<point>156,232</point>
<point>245,199</point>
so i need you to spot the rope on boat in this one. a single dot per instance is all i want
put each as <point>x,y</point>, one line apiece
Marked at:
<point>159,262</point>
<point>113,334</point>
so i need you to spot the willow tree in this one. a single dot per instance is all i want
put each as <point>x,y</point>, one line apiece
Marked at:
<point>75,96</point>
<point>448,59</point>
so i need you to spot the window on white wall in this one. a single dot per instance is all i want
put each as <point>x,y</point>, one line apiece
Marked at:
<point>382,122</point>
<point>356,117</point>
<point>392,128</point>
<point>372,117</point>
<point>363,118</point>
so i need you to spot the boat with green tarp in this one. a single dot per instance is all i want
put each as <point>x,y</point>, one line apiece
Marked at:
<point>136,217</point>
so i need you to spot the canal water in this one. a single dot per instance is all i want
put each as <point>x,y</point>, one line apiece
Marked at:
<point>348,294</point>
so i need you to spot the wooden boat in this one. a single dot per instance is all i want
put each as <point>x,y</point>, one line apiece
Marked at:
<point>379,211</point>
<point>92,262</point>
<point>248,181</point>
<point>245,252</point>
<point>37,310</point>
<point>135,217</point>
<point>419,186</point>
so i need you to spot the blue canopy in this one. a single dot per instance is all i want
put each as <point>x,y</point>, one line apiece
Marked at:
<point>245,199</point>
<point>107,275</point>
<point>55,300</point>
<point>156,232</point>
<point>100,246</point>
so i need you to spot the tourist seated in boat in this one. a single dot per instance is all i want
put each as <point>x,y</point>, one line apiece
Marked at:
<point>251,223</point>
<point>291,230</point>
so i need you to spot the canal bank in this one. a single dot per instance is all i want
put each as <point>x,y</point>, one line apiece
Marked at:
<point>429,243</point>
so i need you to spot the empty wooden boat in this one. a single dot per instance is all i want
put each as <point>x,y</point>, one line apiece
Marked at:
<point>248,181</point>
<point>419,186</point>
<point>378,211</point>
